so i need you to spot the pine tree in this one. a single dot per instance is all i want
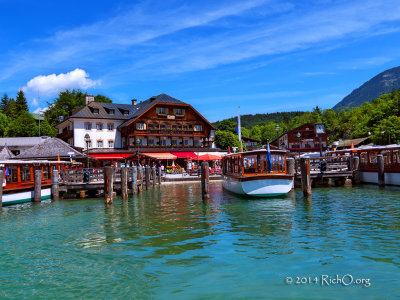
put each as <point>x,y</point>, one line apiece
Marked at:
<point>11,109</point>
<point>4,102</point>
<point>22,105</point>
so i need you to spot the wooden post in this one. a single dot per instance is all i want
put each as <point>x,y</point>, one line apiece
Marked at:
<point>55,191</point>
<point>124,183</point>
<point>140,173</point>
<point>108,185</point>
<point>1,188</point>
<point>134,180</point>
<point>290,165</point>
<point>159,175</point>
<point>305,176</point>
<point>154,175</point>
<point>356,170</point>
<point>37,194</point>
<point>381,170</point>
<point>204,180</point>
<point>147,177</point>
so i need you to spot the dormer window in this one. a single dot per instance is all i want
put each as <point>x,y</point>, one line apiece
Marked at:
<point>111,112</point>
<point>96,111</point>
<point>126,112</point>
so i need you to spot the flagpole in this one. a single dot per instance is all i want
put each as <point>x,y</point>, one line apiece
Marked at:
<point>239,129</point>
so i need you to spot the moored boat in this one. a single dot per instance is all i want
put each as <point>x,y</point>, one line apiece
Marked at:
<point>258,173</point>
<point>18,183</point>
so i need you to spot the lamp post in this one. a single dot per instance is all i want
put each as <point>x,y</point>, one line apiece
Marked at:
<point>87,139</point>
<point>138,157</point>
<point>298,136</point>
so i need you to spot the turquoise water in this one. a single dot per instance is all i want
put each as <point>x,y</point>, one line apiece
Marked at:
<point>165,243</point>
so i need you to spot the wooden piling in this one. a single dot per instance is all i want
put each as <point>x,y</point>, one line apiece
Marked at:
<point>1,188</point>
<point>147,177</point>
<point>205,180</point>
<point>124,183</point>
<point>159,175</point>
<point>381,170</point>
<point>37,194</point>
<point>55,190</point>
<point>154,175</point>
<point>356,170</point>
<point>134,180</point>
<point>108,185</point>
<point>140,174</point>
<point>305,176</point>
<point>290,165</point>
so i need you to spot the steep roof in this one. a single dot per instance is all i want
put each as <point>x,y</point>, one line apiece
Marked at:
<point>51,148</point>
<point>6,154</point>
<point>105,110</point>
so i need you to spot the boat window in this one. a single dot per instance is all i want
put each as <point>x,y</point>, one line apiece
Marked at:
<point>386,157</point>
<point>396,157</point>
<point>46,172</point>
<point>372,158</point>
<point>25,173</point>
<point>12,172</point>
<point>278,163</point>
<point>363,158</point>
<point>249,163</point>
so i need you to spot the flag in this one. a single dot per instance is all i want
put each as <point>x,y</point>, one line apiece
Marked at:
<point>58,158</point>
<point>7,172</point>
<point>229,150</point>
<point>269,161</point>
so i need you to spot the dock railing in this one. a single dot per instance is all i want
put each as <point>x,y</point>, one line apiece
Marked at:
<point>339,164</point>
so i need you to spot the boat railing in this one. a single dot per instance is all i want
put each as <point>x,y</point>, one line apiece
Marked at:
<point>327,164</point>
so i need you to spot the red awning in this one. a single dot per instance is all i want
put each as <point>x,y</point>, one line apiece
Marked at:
<point>184,154</point>
<point>209,157</point>
<point>109,155</point>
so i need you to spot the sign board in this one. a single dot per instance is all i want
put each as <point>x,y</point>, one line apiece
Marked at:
<point>320,128</point>
<point>171,117</point>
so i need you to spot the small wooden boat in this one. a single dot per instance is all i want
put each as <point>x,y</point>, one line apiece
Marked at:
<point>18,183</point>
<point>259,173</point>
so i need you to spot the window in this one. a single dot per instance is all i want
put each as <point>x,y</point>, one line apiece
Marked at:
<point>174,142</point>
<point>96,111</point>
<point>126,112</point>
<point>249,163</point>
<point>46,172</point>
<point>88,126</point>
<point>111,112</point>
<point>363,158</point>
<point>88,144</point>
<point>99,144</point>
<point>186,142</point>
<point>198,128</point>
<point>12,173</point>
<point>25,173</point>
<point>99,126</point>
<point>110,126</point>
<point>140,126</point>
<point>110,144</point>
<point>179,111</point>
<point>162,111</point>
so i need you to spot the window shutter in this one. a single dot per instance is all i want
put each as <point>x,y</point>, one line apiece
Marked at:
<point>183,111</point>
<point>157,110</point>
<point>144,126</point>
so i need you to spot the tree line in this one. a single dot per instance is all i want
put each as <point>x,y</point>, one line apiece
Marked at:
<point>378,119</point>
<point>16,121</point>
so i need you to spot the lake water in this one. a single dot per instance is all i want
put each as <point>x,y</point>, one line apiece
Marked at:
<point>165,243</point>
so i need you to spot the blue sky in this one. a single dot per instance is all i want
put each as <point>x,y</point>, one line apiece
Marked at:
<point>262,55</point>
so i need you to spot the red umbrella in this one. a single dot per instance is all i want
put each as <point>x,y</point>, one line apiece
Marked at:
<point>209,157</point>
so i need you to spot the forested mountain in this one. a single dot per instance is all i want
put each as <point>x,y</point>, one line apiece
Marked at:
<point>249,121</point>
<point>382,83</point>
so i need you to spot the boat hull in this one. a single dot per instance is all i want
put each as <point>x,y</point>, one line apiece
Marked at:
<point>23,197</point>
<point>391,178</point>
<point>258,187</point>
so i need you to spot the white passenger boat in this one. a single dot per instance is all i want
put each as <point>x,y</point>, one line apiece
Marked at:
<point>259,173</point>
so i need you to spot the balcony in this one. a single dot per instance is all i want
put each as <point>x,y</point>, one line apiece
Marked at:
<point>66,134</point>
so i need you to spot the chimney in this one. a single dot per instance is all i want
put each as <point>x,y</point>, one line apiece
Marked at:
<point>89,99</point>
<point>134,101</point>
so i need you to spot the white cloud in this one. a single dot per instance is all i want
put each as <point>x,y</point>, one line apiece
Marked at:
<point>40,110</point>
<point>51,85</point>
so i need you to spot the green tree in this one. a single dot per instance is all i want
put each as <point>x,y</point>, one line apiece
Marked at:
<point>4,102</point>
<point>223,139</point>
<point>46,129</point>
<point>3,125</point>
<point>227,125</point>
<point>101,98</point>
<point>387,127</point>
<point>23,125</point>
<point>10,110</point>
<point>21,103</point>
